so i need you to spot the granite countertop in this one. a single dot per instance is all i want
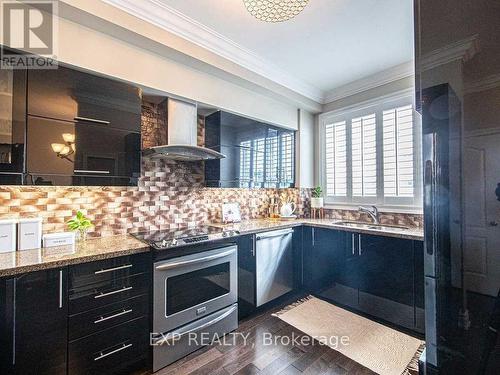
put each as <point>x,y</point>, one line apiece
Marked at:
<point>260,225</point>
<point>17,262</point>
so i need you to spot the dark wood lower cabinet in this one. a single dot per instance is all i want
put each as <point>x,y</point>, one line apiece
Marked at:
<point>34,323</point>
<point>377,275</point>
<point>116,350</point>
<point>419,281</point>
<point>345,284</point>
<point>55,324</point>
<point>386,287</point>
<point>318,257</point>
<point>109,304</point>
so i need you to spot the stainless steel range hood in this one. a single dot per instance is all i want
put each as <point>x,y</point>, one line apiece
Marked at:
<point>182,136</point>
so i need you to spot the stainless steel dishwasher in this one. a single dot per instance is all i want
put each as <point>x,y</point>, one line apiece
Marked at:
<point>274,264</point>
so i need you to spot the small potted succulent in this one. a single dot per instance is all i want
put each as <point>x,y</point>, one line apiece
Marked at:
<point>317,197</point>
<point>80,224</point>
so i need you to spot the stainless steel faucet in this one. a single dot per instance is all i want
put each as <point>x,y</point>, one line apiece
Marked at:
<point>372,211</point>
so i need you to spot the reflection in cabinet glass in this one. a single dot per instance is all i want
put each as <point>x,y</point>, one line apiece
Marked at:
<point>62,152</point>
<point>71,95</point>
<point>12,124</point>
<point>257,155</point>
<point>82,129</point>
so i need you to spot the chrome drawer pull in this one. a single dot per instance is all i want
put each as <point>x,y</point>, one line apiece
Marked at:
<point>103,319</point>
<point>170,265</point>
<point>124,289</point>
<point>113,269</point>
<point>125,346</point>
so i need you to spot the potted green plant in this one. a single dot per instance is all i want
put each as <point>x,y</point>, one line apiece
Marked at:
<point>317,197</point>
<point>80,224</point>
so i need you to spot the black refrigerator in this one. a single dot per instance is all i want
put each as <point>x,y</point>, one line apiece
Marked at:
<point>457,53</point>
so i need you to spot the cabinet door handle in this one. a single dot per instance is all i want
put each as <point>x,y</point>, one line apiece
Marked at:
<point>14,320</point>
<point>60,289</point>
<point>254,245</point>
<point>106,270</point>
<point>104,355</point>
<point>86,119</point>
<point>177,335</point>
<point>353,243</point>
<point>360,248</point>
<point>103,319</point>
<point>124,289</point>
<point>313,236</point>
<point>90,171</point>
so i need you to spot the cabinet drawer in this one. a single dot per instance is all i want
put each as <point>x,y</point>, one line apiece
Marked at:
<point>110,291</point>
<point>102,318</point>
<point>120,349</point>
<point>107,270</point>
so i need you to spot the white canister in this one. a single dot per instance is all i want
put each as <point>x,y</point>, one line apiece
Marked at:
<point>7,235</point>
<point>29,234</point>
<point>58,239</point>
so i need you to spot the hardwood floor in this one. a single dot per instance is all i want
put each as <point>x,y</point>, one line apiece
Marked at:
<point>248,354</point>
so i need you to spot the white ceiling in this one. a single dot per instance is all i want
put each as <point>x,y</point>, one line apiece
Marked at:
<point>330,44</point>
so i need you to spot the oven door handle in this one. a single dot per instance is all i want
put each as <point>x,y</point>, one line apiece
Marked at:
<point>174,336</point>
<point>170,265</point>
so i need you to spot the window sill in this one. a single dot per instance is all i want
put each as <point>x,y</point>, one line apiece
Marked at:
<point>391,209</point>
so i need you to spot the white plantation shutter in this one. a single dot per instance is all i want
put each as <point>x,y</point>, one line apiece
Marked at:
<point>364,156</point>
<point>370,154</point>
<point>336,159</point>
<point>398,152</point>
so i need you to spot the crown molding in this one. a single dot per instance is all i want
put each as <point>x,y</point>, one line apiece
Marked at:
<point>395,73</point>
<point>483,84</point>
<point>175,22</point>
<point>462,50</point>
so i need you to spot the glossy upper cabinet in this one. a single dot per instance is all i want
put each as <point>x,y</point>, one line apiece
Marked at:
<point>82,129</point>
<point>258,155</point>
<point>12,125</point>
<point>90,155</point>
<point>71,95</point>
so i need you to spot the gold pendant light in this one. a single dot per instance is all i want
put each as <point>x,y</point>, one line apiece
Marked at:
<point>275,10</point>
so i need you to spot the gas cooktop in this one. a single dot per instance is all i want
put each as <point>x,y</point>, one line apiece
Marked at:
<point>165,239</point>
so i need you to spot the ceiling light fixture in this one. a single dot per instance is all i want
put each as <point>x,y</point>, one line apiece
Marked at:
<point>275,10</point>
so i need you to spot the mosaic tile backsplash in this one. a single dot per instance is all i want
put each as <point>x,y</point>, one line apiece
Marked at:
<point>169,194</point>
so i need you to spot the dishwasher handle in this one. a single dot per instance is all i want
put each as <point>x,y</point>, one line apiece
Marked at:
<point>274,233</point>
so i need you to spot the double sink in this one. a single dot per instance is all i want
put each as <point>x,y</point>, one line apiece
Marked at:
<point>372,226</point>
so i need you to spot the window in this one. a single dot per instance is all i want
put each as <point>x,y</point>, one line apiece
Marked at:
<point>370,154</point>
<point>364,156</point>
<point>336,159</point>
<point>398,152</point>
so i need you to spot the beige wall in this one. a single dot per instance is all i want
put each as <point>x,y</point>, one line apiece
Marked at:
<point>305,150</point>
<point>99,52</point>
<point>389,88</point>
